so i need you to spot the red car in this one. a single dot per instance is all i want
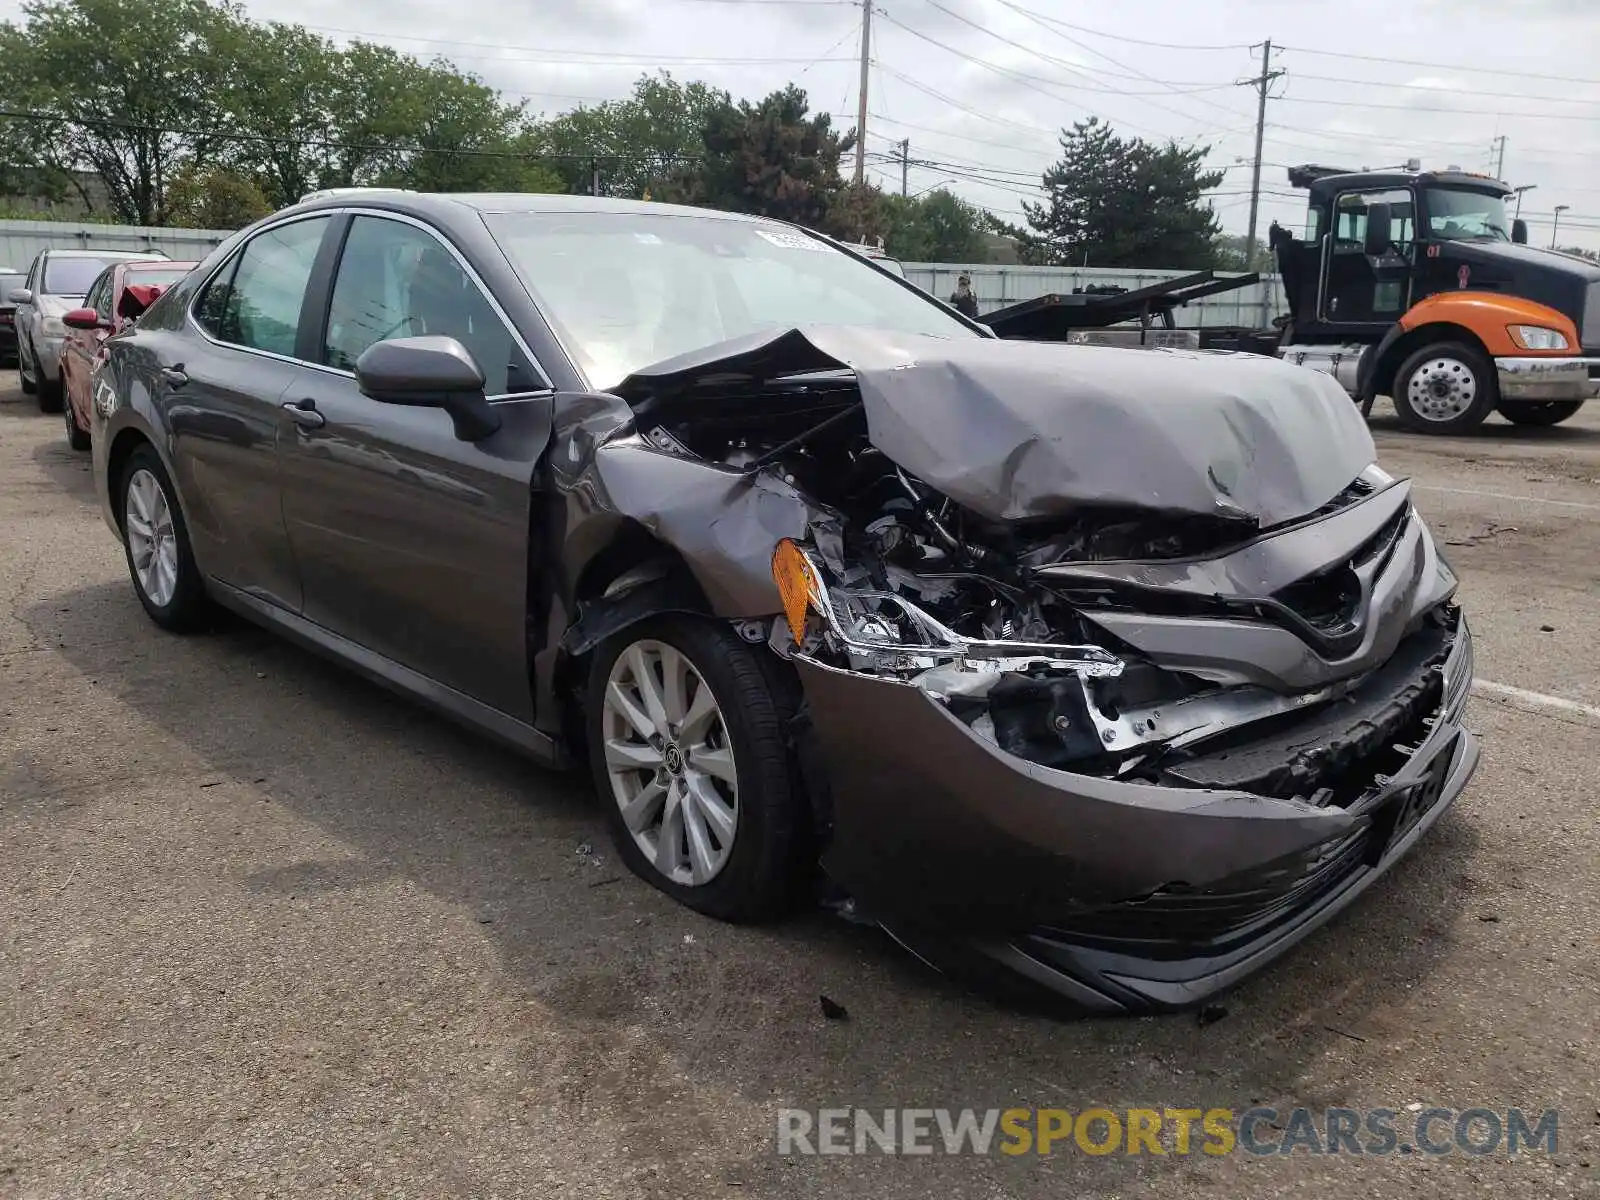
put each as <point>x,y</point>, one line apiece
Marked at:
<point>114,300</point>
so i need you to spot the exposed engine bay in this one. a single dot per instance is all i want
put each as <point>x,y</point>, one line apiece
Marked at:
<point>986,615</point>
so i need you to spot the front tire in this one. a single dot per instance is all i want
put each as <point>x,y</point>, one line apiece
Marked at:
<point>29,385</point>
<point>1540,412</point>
<point>1444,388</point>
<point>155,541</point>
<point>687,745</point>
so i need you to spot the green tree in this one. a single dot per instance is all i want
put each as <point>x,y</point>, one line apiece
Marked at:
<point>770,158</point>
<point>214,198</point>
<point>279,102</point>
<point>637,144</point>
<point>1123,202</point>
<point>936,227</point>
<point>128,88</point>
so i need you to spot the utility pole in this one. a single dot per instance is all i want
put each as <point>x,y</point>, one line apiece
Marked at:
<point>905,164</point>
<point>861,109</point>
<point>1261,83</point>
<point>594,176</point>
<point>1500,157</point>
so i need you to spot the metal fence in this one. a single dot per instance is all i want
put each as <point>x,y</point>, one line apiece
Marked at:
<point>998,286</point>
<point>20,241</point>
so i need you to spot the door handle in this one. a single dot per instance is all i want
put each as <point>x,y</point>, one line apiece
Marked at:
<point>174,375</point>
<point>304,413</point>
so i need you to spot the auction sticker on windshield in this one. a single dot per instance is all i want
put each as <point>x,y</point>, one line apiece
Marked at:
<point>792,241</point>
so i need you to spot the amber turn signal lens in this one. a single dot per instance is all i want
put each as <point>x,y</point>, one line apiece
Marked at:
<point>792,574</point>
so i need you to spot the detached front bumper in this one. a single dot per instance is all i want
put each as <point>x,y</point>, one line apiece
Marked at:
<point>1547,378</point>
<point>1119,896</point>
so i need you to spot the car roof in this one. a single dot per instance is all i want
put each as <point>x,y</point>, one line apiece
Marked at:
<point>132,255</point>
<point>443,205</point>
<point>166,264</point>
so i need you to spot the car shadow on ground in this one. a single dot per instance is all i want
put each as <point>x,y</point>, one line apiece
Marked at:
<point>736,1009</point>
<point>1497,429</point>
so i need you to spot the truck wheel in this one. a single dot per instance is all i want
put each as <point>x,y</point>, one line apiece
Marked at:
<point>1540,412</point>
<point>687,745</point>
<point>1446,387</point>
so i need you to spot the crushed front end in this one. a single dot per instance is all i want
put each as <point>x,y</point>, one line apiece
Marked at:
<point>1128,731</point>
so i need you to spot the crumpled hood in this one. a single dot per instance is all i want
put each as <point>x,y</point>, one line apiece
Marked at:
<point>1017,430</point>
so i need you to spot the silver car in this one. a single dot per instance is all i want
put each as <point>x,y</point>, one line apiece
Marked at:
<point>56,284</point>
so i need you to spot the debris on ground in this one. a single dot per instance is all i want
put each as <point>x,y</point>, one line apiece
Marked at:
<point>1491,530</point>
<point>1210,1014</point>
<point>832,1010</point>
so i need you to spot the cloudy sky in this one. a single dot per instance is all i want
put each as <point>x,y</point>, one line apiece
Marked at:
<point>980,86</point>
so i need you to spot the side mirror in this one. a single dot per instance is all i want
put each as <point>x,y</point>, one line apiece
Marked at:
<point>1519,232</point>
<point>20,296</point>
<point>84,318</point>
<point>429,372</point>
<point>1377,240</point>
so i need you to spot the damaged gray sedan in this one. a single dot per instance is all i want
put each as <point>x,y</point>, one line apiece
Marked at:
<point>1113,671</point>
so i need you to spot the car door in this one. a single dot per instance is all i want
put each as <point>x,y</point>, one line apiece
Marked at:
<point>222,381</point>
<point>410,541</point>
<point>27,334</point>
<point>81,347</point>
<point>1359,288</point>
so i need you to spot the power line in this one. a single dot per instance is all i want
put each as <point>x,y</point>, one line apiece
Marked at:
<point>331,143</point>
<point>1465,112</point>
<point>562,54</point>
<point>1477,68</point>
<point>953,103</point>
<point>1030,15</point>
<point>1031,82</point>
<point>1435,87</point>
<point>1121,38</point>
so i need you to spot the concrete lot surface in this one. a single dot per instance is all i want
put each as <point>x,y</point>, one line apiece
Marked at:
<point>266,930</point>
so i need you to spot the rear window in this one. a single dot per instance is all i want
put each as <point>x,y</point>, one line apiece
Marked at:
<point>146,276</point>
<point>71,276</point>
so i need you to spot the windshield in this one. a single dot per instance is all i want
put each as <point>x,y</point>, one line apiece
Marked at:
<point>71,276</point>
<point>1463,214</point>
<point>625,290</point>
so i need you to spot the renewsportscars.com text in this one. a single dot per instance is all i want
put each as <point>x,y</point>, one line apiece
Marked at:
<point>1416,1129</point>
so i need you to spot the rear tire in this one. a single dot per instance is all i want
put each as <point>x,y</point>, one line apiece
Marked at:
<point>155,541</point>
<point>700,794</point>
<point>1445,388</point>
<point>77,435</point>
<point>1540,412</point>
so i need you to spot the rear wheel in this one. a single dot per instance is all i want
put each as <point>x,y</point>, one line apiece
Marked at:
<point>1447,387</point>
<point>156,542</point>
<point>689,756</point>
<point>77,435</point>
<point>1540,412</point>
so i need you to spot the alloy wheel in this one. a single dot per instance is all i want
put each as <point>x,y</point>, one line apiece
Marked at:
<point>152,538</point>
<point>670,762</point>
<point>1442,389</point>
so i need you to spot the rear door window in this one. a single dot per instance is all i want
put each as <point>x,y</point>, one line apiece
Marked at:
<point>256,302</point>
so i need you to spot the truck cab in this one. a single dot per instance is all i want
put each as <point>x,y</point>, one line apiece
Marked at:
<point>1419,285</point>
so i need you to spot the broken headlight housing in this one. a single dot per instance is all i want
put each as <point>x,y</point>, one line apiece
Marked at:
<point>1068,706</point>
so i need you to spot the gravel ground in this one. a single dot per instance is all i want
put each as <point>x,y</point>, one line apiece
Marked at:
<point>266,930</point>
